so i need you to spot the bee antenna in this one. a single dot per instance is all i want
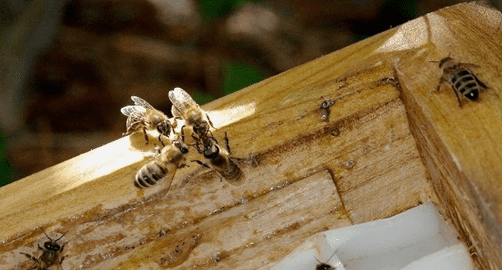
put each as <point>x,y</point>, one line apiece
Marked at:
<point>334,252</point>
<point>61,236</point>
<point>329,259</point>
<point>53,239</point>
<point>47,235</point>
<point>317,259</point>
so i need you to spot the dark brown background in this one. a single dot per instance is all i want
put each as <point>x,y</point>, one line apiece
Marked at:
<point>67,67</point>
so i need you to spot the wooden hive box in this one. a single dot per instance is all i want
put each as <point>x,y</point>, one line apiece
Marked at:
<point>390,142</point>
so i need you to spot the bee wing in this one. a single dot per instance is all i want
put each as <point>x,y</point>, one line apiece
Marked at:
<point>135,115</point>
<point>481,83</point>
<point>181,99</point>
<point>133,110</point>
<point>468,65</point>
<point>176,112</point>
<point>141,102</point>
<point>239,175</point>
<point>168,179</point>
<point>233,174</point>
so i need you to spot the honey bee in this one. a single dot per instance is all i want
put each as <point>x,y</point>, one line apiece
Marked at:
<point>461,79</point>
<point>164,168</point>
<point>325,266</point>
<point>324,109</point>
<point>50,255</point>
<point>144,116</point>
<point>219,159</point>
<point>186,108</point>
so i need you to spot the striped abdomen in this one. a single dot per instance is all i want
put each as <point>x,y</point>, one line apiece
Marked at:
<point>226,166</point>
<point>465,83</point>
<point>150,174</point>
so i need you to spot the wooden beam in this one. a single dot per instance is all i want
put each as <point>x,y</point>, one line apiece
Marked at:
<point>461,145</point>
<point>302,174</point>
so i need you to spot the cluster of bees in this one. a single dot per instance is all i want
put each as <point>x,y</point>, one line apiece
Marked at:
<point>187,115</point>
<point>143,117</point>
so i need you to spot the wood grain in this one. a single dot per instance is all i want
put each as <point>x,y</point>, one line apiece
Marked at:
<point>302,175</point>
<point>461,146</point>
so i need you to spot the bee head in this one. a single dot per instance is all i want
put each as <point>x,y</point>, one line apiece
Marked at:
<point>182,147</point>
<point>164,128</point>
<point>324,266</point>
<point>445,62</point>
<point>211,151</point>
<point>52,245</point>
<point>201,128</point>
<point>326,104</point>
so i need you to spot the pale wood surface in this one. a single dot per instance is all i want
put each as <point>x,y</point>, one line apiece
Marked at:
<point>461,146</point>
<point>298,174</point>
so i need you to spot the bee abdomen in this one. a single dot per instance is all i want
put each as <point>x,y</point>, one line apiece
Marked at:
<point>232,173</point>
<point>465,83</point>
<point>149,175</point>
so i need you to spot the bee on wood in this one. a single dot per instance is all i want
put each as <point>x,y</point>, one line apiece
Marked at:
<point>219,159</point>
<point>164,168</point>
<point>324,109</point>
<point>51,254</point>
<point>325,266</point>
<point>461,79</point>
<point>186,108</point>
<point>143,116</point>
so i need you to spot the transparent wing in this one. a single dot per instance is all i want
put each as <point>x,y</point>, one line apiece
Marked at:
<point>141,102</point>
<point>181,99</point>
<point>133,110</point>
<point>233,173</point>
<point>135,117</point>
<point>176,112</point>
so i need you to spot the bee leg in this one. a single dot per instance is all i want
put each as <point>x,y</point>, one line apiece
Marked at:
<point>482,84</point>
<point>183,165</point>
<point>196,140</point>
<point>29,256</point>
<point>161,140</point>
<point>226,142</point>
<point>441,81</point>
<point>175,121</point>
<point>212,137</point>
<point>458,98</point>
<point>199,147</point>
<point>209,120</point>
<point>251,160</point>
<point>61,259</point>
<point>183,133</point>
<point>196,144</point>
<point>201,163</point>
<point>146,136</point>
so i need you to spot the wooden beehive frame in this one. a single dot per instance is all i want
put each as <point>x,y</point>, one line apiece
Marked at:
<point>389,143</point>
